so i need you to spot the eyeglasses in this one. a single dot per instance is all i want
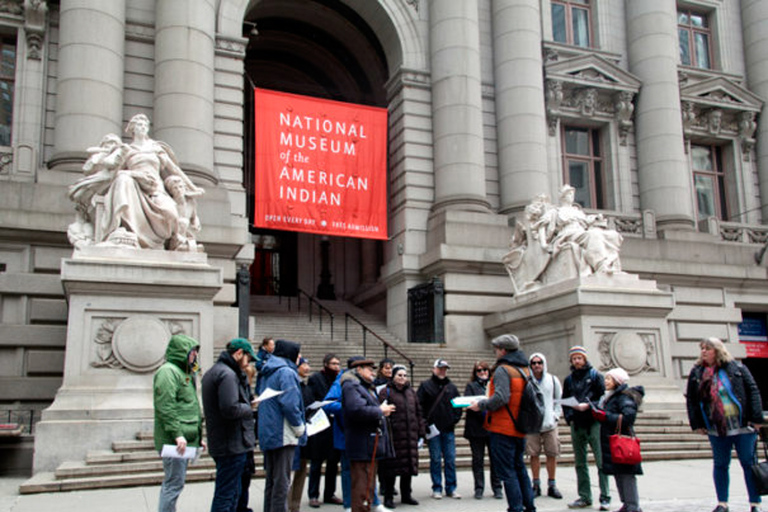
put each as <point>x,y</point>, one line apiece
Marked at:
<point>537,363</point>
<point>482,370</point>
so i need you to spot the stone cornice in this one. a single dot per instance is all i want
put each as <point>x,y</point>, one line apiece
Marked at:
<point>405,77</point>
<point>231,46</point>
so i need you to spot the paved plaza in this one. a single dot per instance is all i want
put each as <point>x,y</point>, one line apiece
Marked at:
<point>676,486</point>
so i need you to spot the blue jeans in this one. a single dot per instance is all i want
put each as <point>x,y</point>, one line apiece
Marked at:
<point>721,452</point>
<point>229,472</point>
<point>443,447</point>
<point>507,457</point>
<point>175,473</point>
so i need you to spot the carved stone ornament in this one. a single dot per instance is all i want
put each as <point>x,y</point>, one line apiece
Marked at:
<point>635,352</point>
<point>135,195</point>
<point>414,4</point>
<point>554,100</point>
<point>105,356</point>
<point>624,109</point>
<point>34,26</point>
<point>11,6</point>
<point>139,343</point>
<point>747,128</point>
<point>558,242</point>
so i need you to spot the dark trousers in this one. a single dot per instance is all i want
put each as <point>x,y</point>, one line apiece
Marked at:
<point>277,465</point>
<point>229,474</point>
<point>248,470</point>
<point>507,454</point>
<point>388,486</point>
<point>331,470</point>
<point>479,445</point>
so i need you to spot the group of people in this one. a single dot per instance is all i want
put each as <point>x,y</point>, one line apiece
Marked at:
<point>378,423</point>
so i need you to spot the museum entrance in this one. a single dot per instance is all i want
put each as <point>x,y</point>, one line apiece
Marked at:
<point>323,49</point>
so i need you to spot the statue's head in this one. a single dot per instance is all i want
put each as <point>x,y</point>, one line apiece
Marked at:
<point>174,185</point>
<point>567,194</point>
<point>139,121</point>
<point>110,141</point>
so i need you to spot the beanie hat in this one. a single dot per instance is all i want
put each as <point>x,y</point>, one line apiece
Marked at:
<point>619,375</point>
<point>577,349</point>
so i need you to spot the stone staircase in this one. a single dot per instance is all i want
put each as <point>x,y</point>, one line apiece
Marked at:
<point>134,462</point>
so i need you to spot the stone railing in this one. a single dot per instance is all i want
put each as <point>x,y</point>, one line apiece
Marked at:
<point>637,225</point>
<point>734,231</point>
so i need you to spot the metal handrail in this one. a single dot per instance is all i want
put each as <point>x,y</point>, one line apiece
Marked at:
<point>320,308</point>
<point>20,419</point>
<point>366,330</point>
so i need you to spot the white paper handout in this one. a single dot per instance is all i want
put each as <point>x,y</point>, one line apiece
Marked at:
<point>267,394</point>
<point>432,432</point>
<point>318,404</point>
<point>379,388</point>
<point>466,401</point>
<point>318,423</point>
<point>169,451</point>
<point>569,402</point>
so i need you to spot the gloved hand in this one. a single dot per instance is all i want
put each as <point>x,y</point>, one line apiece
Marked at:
<point>599,415</point>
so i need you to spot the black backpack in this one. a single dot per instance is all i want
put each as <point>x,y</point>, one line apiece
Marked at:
<point>531,415</point>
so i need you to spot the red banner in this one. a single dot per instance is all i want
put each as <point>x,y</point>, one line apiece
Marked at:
<point>321,166</point>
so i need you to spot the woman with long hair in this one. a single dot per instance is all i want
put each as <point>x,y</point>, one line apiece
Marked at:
<point>724,403</point>
<point>477,435</point>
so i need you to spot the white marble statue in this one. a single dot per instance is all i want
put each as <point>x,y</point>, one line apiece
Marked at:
<point>148,201</point>
<point>552,233</point>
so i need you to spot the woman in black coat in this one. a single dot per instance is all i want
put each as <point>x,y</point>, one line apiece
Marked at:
<point>478,437</point>
<point>622,401</point>
<point>724,403</point>
<point>407,426</point>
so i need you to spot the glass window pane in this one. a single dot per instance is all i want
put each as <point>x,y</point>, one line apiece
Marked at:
<point>701,158</point>
<point>578,178</point>
<point>705,196</point>
<point>595,144</point>
<point>583,2</point>
<point>558,23</point>
<point>698,20</point>
<point>702,50</point>
<point>682,18</point>
<point>685,48</point>
<point>580,27</point>
<point>577,141</point>
<point>598,177</point>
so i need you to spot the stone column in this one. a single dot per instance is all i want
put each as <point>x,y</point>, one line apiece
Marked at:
<point>664,178</point>
<point>457,111</point>
<point>520,110</point>
<point>754,15</point>
<point>184,67</point>
<point>89,85</point>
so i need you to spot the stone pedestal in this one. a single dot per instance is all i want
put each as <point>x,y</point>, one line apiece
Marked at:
<point>124,305</point>
<point>620,319</point>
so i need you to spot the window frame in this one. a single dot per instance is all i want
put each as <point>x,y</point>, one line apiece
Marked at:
<point>597,198</point>
<point>692,31</point>
<point>718,176</point>
<point>569,6</point>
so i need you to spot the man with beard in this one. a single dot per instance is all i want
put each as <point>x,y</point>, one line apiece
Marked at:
<point>320,446</point>
<point>281,422</point>
<point>229,421</point>
<point>587,386</point>
<point>502,407</point>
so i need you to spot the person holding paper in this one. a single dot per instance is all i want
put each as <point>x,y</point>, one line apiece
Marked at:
<point>406,427</point>
<point>282,426</point>
<point>435,396</point>
<point>478,437</point>
<point>177,414</point>
<point>301,456</point>
<point>229,421</point>
<point>320,446</point>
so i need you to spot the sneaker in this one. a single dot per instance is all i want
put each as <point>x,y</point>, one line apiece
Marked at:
<point>437,495</point>
<point>553,492</point>
<point>454,495</point>
<point>721,508</point>
<point>478,495</point>
<point>536,490</point>
<point>754,508</point>
<point>334,500</point>
<point>622,509</point>
<point>604,504</point>
<point>580,503</point>
<point>380,508</point>
<point>314,503</point>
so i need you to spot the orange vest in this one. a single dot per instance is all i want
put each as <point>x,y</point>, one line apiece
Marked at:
<point>498,421</point>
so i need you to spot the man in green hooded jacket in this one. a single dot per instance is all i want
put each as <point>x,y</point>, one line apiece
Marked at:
<point>177,414</point>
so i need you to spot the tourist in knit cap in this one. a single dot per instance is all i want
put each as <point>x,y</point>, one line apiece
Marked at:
<point>586,385</point>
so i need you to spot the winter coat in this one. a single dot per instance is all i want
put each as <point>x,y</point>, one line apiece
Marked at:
<point>586,385</point>
<point>177,410</point>
<point>444,416</point>
<point>228,412</point>
<point>363,418</point>
<point>281,419</point>
<point>624,401</point>
<point>505,392</point>
<point>320,446</point>
<point>552,392</point>
<point>743,391</point>
<point>406,426</point>
<point>473,423</point>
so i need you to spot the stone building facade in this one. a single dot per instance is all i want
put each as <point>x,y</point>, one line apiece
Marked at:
<point>651,109</point>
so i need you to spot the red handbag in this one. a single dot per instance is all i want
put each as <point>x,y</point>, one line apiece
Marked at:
<point>624,449</point>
